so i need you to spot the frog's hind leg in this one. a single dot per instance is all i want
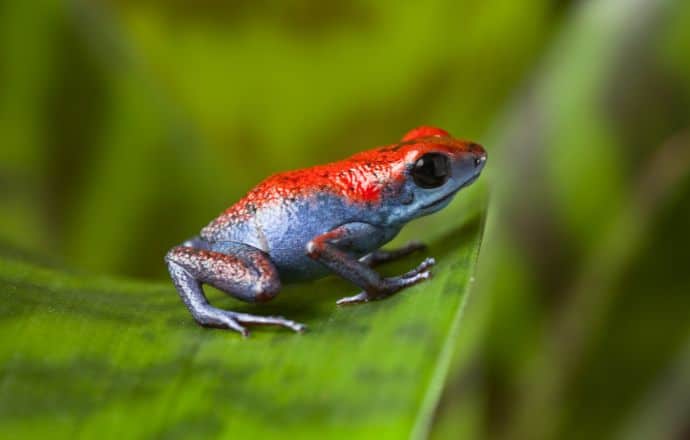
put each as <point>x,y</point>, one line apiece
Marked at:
<point>382,256</point>
<point>240,270</point>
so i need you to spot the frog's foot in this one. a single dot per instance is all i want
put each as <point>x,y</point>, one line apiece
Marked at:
<point>380,256</point>
<point>247,319</point>
<point>213,317</point>
<point>392,285</point>
<point>422,268</point>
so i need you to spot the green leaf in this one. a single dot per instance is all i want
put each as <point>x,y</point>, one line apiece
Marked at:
<point>100,357</point>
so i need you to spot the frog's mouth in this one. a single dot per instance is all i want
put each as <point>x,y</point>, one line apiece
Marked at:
<point>452,193</point>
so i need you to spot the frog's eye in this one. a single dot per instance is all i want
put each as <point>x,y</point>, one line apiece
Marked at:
<point>431,170</point>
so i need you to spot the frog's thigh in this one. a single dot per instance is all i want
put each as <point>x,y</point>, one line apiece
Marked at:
<point>240,270</point>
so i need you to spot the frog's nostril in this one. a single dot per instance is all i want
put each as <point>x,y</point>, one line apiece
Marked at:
<point>479,160</point>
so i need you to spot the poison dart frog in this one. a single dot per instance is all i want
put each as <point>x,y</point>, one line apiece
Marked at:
<point>333,218</point>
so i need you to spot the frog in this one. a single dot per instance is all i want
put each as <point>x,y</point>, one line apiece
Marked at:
<point>308,223</point>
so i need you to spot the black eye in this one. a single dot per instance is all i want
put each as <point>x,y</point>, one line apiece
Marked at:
<point>431,170</point>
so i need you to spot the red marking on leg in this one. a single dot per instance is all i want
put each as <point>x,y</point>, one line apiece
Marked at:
<point>315,247</point>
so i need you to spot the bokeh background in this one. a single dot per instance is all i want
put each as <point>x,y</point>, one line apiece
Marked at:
<point>127,125</point>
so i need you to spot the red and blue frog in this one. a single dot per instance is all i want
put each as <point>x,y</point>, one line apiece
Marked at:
<point>333,218</point>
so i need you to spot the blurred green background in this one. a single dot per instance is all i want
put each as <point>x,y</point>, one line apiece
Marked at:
<point>125,126</point>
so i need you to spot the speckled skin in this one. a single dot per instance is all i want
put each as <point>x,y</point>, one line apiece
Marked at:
<point>307,223</point>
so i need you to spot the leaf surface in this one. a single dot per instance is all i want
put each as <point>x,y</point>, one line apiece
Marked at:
<point>100,357</point>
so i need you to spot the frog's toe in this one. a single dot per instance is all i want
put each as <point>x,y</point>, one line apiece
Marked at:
<point>294,326</point>
<point>248,319</point>
<point>360,298</point>
<point>417,277</point>
<point>220,319</point>
<point>423,267</point>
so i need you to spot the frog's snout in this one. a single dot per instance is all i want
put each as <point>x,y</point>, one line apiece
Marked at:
<point>479,157</point>
<point>480,161</point>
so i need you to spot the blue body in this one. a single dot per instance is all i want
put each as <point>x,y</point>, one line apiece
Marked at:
<point>283,229</point>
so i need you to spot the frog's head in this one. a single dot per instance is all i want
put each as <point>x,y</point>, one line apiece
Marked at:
<point>430,168</point>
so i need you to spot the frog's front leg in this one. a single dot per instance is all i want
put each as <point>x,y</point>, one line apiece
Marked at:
<point>333,248</point>
<point>384,256</point>
<point>239,270</point>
